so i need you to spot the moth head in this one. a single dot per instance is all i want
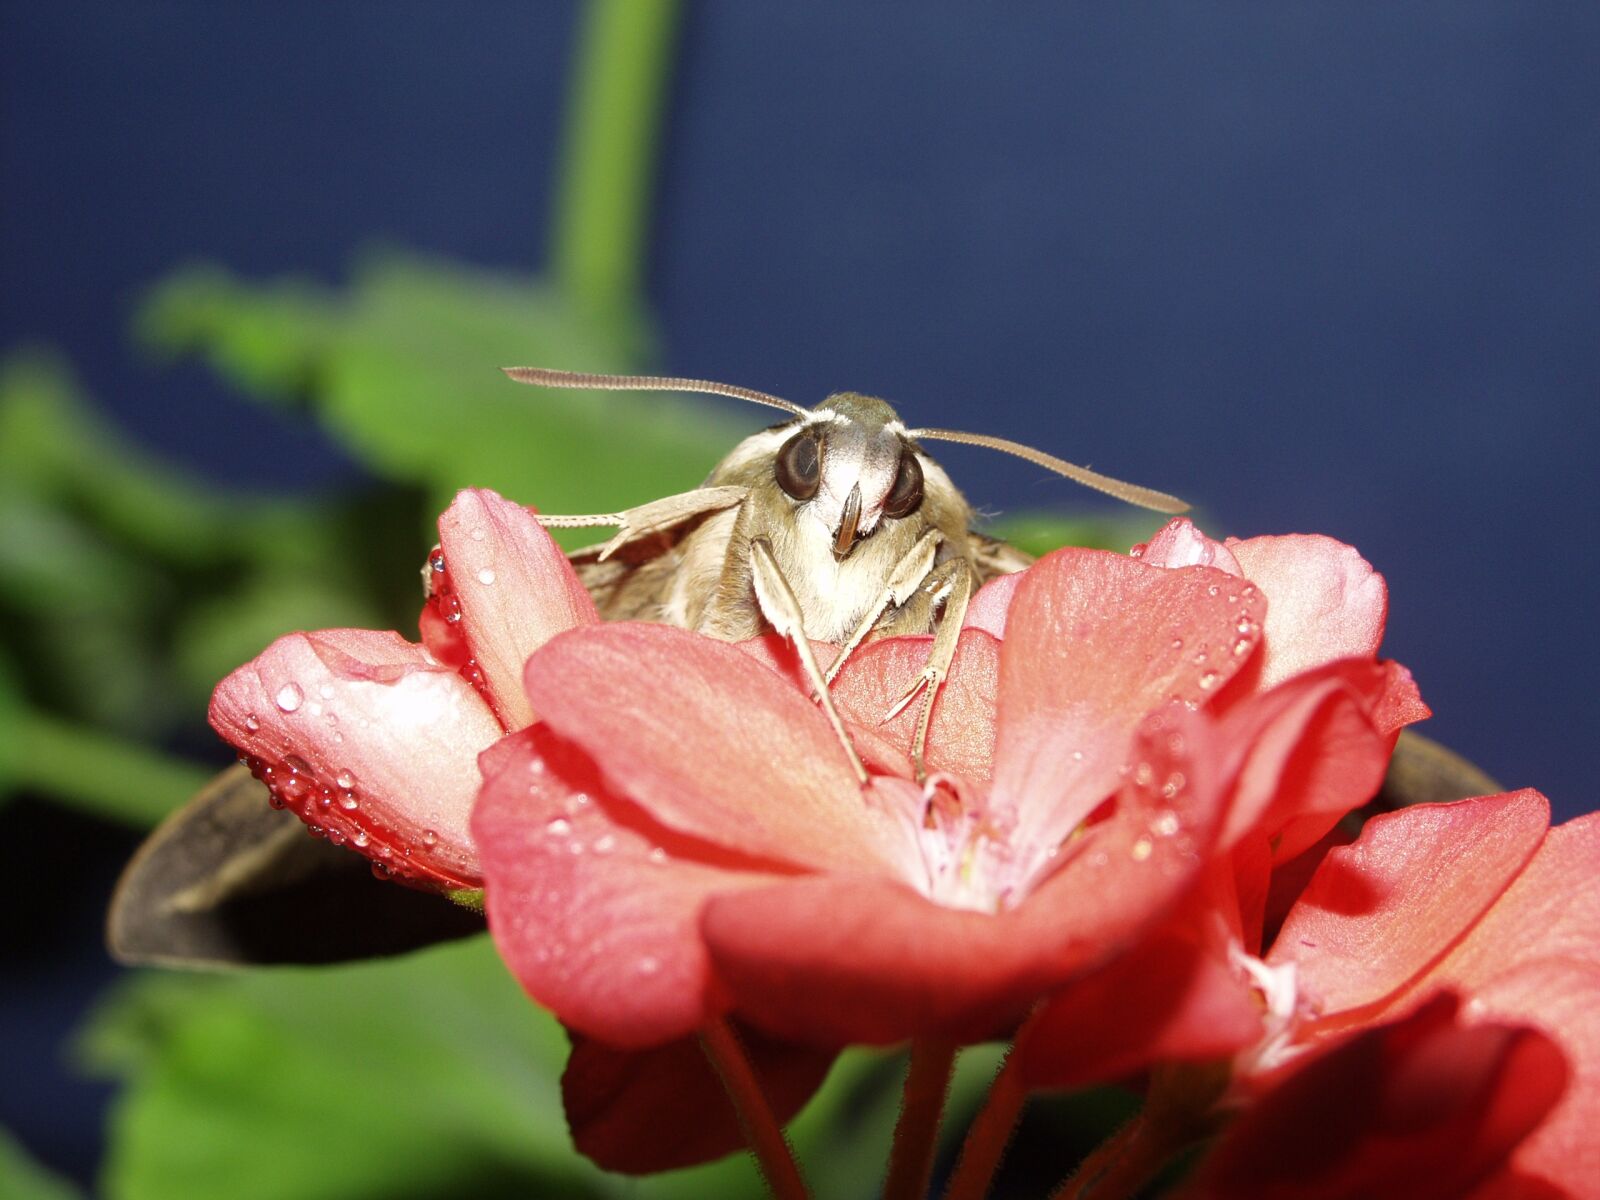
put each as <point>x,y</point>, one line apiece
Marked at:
<point>851,461</point>
<point>850,466</point>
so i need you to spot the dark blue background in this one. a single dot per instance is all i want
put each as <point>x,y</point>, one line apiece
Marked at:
<point>1314,267</point>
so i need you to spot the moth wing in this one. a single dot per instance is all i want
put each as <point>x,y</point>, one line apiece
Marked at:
<point>993,557</point>
<point>228,880</point>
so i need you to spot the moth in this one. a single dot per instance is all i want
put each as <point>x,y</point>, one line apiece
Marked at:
<point>835,525</point>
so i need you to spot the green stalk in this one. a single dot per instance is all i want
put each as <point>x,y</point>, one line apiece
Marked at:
<point>597,244</point>
<point>100,773</point>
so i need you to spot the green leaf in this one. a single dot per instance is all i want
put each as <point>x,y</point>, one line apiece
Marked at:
<point>23,1179</point>
<point>402,366</point>
<point>430,1075</point>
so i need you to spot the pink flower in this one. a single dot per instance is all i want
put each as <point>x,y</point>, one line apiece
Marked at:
<point>681,837</point>
<point>1480,899</point>
<point>373,740</point>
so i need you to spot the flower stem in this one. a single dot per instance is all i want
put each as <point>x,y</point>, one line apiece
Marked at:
<point>597,244</point>
<point>772,1151</point>
<point>990,1134</point>
<point>921,1106</point>
<point>1179,1110</point>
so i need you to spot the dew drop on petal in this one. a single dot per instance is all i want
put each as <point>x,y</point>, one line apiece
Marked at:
<point>297,764</point>
<point>649,965</point>
<point>1165,824</point>
<point>558,827</point>
<point>289,697</point>
<point>605,844</point>
<point>657,855</point>
<point>1144,775</point>
<point>346,778</point>
<point>437,563</point>
<point>430,838</point>
<point>1208,680</point>
<point>252,722</point>
<point>478,535</point>
<point>325,691</point>
<point>360,838</point>
<point>348,802</point>
<point>486,576</point>
<point>1142,849</point>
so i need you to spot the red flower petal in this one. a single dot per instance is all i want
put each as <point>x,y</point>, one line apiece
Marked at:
<point>1311,755</point>
<point>1551,910</point>
<point>594,910</point>
<point>643,1111</point>
<point>988,607</point>
<point>1094,641</point>
<point>1380,910</point>
<point>1562,998</point>
<point>516,591</point>
<point>364,736</point>
<point>961,735</point>
<point>713,744</point>
<point>837,958</point>
<point>1181,544</point>
<point>1167,1001</point>
<point>1423,1108</point>
<point>1326,602</point>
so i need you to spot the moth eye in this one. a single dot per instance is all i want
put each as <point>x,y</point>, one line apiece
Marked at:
<point>799,466</point>
<point>906,495</point>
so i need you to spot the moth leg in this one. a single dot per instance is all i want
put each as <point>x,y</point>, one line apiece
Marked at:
<point>908,575</point>
<point>778,604</point>
<point>646,519</point>
<point>957,588</point>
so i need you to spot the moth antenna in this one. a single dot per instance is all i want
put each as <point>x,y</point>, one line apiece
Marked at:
<point>545,377</point>
<point>1132,493</point>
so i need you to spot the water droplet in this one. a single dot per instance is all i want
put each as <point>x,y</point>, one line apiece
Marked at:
<point>1242,647</point>
<point>1208,680</point>
<point>346,778</point>
<point>1077,756</point>
<point>348,801</point>
<point>558,827</point>
<point>1177,643</point>
<point>437,562</point>
<point>360,837</point>
<point>574,847</point>
<point>335,837</point>
<point>297,764</point>
<point>1144,775</point>
<point>1174,784</point>
<point>1166,824</point>
<point>452,608</point>
<point>276,800</point>
<point>1249,591</point>
<point>478,535</point>
<point>486,576</point>
<point>657,855</point>
<point>325,691</point>
<point>430,838</point>
<point>1245,625</point>
<point>315,831</point>
<point>252,722</point>
<point>289,697</point>
<point>1201,655</point>
<point>1142,849</point>
<point>649,965</point>
<point>382,870</point>
<point>1213,590</point>
<point>605,844</point>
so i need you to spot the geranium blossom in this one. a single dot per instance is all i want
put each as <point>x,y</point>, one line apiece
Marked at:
<point>1477,898</point>
<point>373,740</point>
<point>681,836</point>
